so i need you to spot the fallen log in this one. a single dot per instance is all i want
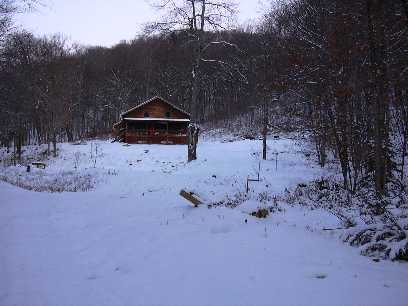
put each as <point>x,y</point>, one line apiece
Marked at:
<point>191,197</point>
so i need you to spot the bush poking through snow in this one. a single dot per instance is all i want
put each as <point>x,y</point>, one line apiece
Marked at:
<point>377,226</point>
<point>42,181</point>
<point>232,202</point>
<point>380,242</point>
<point>261,213</point>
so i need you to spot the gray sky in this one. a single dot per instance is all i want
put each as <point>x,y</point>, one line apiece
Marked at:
<point>103,22</point>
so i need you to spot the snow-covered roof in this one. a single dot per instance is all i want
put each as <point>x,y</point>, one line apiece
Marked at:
<point>157,119</point>
<point>151,100</point>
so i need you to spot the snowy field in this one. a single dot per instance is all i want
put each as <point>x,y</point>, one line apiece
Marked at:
<point>132,240</point>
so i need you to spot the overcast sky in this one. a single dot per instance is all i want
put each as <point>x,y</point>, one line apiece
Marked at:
<point>104,22</point>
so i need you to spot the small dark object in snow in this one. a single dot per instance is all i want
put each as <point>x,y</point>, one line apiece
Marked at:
<point>276,136</point>
<point>214,176</point>
<point>260,213</point>
<point>146,151</point>
<point>28,168</point>
<point>139,160</point>
<point>246,221</point>
<point>321,276</point>
<point>322,184</point>
<point>301,185</point>
<point>39,165</point>
<point>376,259</point>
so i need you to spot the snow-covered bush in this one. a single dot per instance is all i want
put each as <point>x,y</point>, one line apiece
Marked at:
<point>42,181</point>
<point>232,201</point>
<point>379,227</point>
<point>28,154</point>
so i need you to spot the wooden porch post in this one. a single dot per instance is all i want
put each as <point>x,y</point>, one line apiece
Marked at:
<point>126,131</point>
<point>167,132</point>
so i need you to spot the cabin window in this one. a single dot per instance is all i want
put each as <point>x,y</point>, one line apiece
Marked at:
<point>167,114</point>
<point>146,114</point>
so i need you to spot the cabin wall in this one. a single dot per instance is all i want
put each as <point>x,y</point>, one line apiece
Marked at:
<point>157,109</point>
<point>169,139</point>
<point>156,133</point>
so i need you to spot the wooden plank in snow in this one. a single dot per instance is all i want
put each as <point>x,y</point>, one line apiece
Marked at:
<point>191,197</point>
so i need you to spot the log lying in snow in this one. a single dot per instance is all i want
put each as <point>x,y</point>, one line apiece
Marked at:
<point>191,197</point>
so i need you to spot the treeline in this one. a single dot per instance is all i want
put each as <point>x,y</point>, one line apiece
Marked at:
<point>351,65</point>
<point>344,62</point>
<point>52,92</point>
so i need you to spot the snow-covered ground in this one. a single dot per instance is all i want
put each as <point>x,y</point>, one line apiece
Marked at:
<point>132,240</point>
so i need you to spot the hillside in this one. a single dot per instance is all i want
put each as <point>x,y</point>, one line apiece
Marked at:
<point>132,240</point>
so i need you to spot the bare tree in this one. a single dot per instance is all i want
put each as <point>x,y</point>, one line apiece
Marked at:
<point>8,9</point>
<point>195,17</point>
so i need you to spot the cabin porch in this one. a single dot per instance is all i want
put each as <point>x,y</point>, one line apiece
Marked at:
<point>156,131</point>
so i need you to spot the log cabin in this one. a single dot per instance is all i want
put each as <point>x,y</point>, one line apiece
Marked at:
<point>155,121</point>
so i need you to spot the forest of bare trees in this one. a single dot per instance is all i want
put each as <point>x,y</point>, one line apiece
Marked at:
<point>346,63</point>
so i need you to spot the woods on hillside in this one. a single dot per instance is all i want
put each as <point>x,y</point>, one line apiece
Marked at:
<point>339,67</point>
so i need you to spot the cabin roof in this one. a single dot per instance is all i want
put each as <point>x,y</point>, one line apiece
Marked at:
<point>156,119</point>
<point>151,100</point>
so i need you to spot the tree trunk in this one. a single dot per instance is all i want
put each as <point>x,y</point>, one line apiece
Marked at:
<point>70,135</point>
<point>193,131</point>
<point>48,144</point>
<point>405,7</point>
<point>54,143</point>
<point>404,152</point>
<point>19,140</point>
<point>264,129</point>
<point>14,150</point>
<point>375,12</point>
